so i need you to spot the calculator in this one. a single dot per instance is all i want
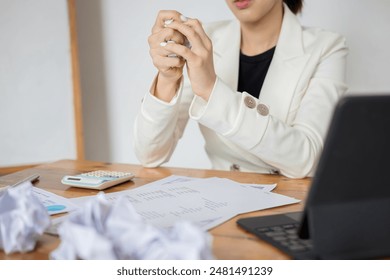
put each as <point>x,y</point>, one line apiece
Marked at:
<point>97,180</point>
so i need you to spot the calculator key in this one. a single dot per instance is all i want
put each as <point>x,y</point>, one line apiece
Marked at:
<point>98,179</point>
<point>274,233</point>
<point>297,248</point>
<point>277,228</point>
<point>280,238</point>
<point>263,229</point>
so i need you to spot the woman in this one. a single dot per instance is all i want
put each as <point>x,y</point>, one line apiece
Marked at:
<point>261,87</point>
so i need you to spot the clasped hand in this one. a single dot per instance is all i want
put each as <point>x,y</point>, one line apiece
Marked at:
<point>170,52</point>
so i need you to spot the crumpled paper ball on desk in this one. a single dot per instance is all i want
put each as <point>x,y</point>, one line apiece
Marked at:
<point>102,230</point>
<point>23,218</point>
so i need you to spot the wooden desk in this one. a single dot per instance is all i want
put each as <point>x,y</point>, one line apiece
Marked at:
<point>230,241</point>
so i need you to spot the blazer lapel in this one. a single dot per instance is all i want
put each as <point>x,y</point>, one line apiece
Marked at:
<point>286,68</point>
<point>227,54</point>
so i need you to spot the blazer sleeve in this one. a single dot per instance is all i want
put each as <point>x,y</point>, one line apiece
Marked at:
<point>158,127</point>
<point>292,148</point>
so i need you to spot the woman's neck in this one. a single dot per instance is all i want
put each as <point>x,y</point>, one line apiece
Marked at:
<point>258,37</point>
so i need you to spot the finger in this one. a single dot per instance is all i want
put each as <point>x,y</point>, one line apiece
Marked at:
<point>159,56</point>
<point>172,72</point>
<point>197,26</point>
<point>189,32</point>
<point>165,35</point>
<point>161,51</point>
<point>181,51</point>
<point>166,63</point>
<point>165,16</point>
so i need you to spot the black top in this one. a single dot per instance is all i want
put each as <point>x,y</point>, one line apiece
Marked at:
<point>253,70</point>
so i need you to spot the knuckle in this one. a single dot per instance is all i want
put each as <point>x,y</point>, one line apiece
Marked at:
<point>169,32</point>
<point>155,63</point>
<point>152,53</point>
<point>191,32</point>
<point>177,63</point>
<point>186,51</point>
<point>197,21</point>
<point>161,13</point>
<point>150,39</point>
<point>179,38</point>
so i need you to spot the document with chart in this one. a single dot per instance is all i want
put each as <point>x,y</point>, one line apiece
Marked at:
<point>205,202</point>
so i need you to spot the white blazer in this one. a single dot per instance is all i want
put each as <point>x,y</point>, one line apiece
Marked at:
<point>281,132</point>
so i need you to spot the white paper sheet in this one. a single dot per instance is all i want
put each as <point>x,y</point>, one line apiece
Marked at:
<point>53,203</point>
<point>175,179</point>
<point>205,202</point>
<point>261,187</point>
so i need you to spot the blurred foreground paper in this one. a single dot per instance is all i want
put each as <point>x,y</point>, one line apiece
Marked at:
<point>102,230</point>
<point>23,218</point>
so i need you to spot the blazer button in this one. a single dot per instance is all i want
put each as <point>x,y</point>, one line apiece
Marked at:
<point>234,167</point>
<point>262,109</point>
<point>250,102</point>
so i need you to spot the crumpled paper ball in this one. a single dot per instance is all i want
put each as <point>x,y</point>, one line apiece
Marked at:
<point>102,230</point>
<point>23,218</point>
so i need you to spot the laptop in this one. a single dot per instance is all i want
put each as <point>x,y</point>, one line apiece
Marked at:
<point>347,212</point>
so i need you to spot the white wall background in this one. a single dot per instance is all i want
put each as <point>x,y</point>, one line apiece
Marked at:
<point>366,25</point>
<point>116,69</point>
<point>36,106</point>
